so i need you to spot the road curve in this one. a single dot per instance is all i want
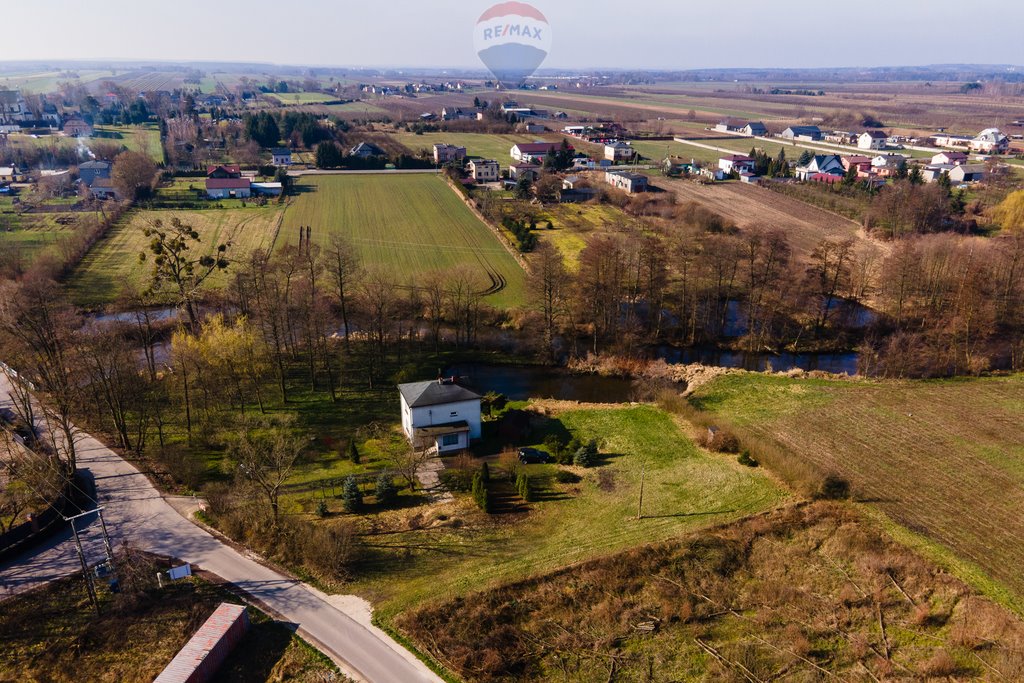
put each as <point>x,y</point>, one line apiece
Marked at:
<point>135,511</point>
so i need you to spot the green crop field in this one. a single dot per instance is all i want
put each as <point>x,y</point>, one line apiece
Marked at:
<point>477,144</point>
<point>301,97</point>
<point>685,489</point>
<point>407,225</point>
<point>944,459</point>
<point>114,261</point>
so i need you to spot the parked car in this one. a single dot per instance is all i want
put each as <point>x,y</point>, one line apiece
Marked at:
<point>533,456</point>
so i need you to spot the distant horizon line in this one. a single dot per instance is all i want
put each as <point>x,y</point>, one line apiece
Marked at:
<point>546,71</point>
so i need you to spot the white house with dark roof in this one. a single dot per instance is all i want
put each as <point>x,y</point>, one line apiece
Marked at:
<point>440,413</point>
<point>821,163</point>
<point>872,139</point>
<point>990,141</point>
<point>281,156</point>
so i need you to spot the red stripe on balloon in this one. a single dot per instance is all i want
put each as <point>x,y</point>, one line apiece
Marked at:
<point>518,8</point>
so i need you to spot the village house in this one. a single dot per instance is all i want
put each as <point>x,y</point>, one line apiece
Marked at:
<point>90,171</point>
<point>13,111</point>
<point>77,128</point>
<point>484,170</point>
<point>618,151</point>
<point>872,139</point>
<point>821,163</point>
<point>456,114</point>
<point>805,133</point>
<point>750,128</point>
<point>841,137</point>
<point>736,162</point>
<point>365,150</point>
<point>103,188</point>
<point>630,182</point>
<point>954,141</point>
<point>281,156</point>
<point>445,153</point>
<point>536,151</point>
<point>440,414</point>
<point>951,158</point>
<point>524,170</point>
<point>990,141</point>
<point>858,161</point>
<point>224,171</point>
<point>755,128</point>
<point>888,165</point>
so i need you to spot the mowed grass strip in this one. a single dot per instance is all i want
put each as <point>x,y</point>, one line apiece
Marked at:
<point>114,262</point>
<point>943,458</point>
<point>406,226</point>
<point>488,146</point>
<point>685,488</point>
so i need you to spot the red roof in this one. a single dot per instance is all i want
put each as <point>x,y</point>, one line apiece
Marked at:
<point>227,183</point>
<point>737,157</point>
<point>234,169</point>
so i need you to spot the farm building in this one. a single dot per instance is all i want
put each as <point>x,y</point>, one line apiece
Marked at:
<point>808,133</point>
<point>267,189</point>
<point>872,139</point>
<point>535,151</point>
<point>931,173</point>
<point>484,170</point>
<point>365,150</point>
<point>733,125</point>
<point>740,163</point>
<point>967,173</point>
<point>534,128</point>
<point>281,156</point>
<point>618,151</point>
<point>955,141</point>
<point>228,188</point>
<point>630,182</point>
<point>820,163</point>
<point>990,141</point>
<point>445,153</point>
<point>755,128</point>
<point>841,137</point>
<point>440,414</point>
<point>10,174</point>
<point>951,158</point>
<point>77,128</point>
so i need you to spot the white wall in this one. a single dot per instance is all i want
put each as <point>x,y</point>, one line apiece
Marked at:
<point>428,416</point>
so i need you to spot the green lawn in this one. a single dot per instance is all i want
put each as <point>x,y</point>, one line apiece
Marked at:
<point>572,223</point>
<point>114,261</point>
<point>685,489</point>
<point>301,97</point>
<point>145,138</point>
<point>407,225</point>
<point>31,235</point>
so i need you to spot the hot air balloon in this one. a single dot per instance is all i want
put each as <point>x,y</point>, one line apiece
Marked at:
<point>512,40</point>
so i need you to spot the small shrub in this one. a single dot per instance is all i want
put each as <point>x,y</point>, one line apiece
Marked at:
<point>524,487</point>
<point>385,491</point>
<point>586,456</point>
<point>834,487</point>
<point>321,508</point>
<point>746,459</point>
<point>567,477</point>
<point>553,445</point>
<point>722,441</point>
<point>485,473</point>
<point>940,665</point>
<point>351,496</point>
<point>480,492</point>
<point>353,452</point>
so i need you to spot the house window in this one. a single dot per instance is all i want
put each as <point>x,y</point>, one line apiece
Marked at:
<point>449,440</point>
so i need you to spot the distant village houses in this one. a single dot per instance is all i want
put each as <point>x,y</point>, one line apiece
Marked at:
<point>804,133</point>
<point>872,139</point>
<point>445,153</point>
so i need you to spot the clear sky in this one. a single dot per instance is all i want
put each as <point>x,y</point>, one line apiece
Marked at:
<point>655,34</point>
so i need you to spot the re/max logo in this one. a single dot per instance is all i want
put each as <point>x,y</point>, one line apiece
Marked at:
<point>512,30</point>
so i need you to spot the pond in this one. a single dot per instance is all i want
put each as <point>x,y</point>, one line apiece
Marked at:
<point>758,362</point>
<point>519,383</point>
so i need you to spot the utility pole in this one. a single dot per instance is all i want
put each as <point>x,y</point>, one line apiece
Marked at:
<point>640,503</point>
<point>108,552</point>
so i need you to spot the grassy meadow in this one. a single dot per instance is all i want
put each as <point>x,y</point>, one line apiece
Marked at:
<point>943,459</point>
<point>572,223</point>
<point>114,261</point>
<point>685,488</point>
<point>488,146</point>
<point>407,225</point>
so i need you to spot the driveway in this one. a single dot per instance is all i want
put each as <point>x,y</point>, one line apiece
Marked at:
<point>135,511</point>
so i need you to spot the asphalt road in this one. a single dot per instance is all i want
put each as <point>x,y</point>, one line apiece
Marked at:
<point>135,511</point>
